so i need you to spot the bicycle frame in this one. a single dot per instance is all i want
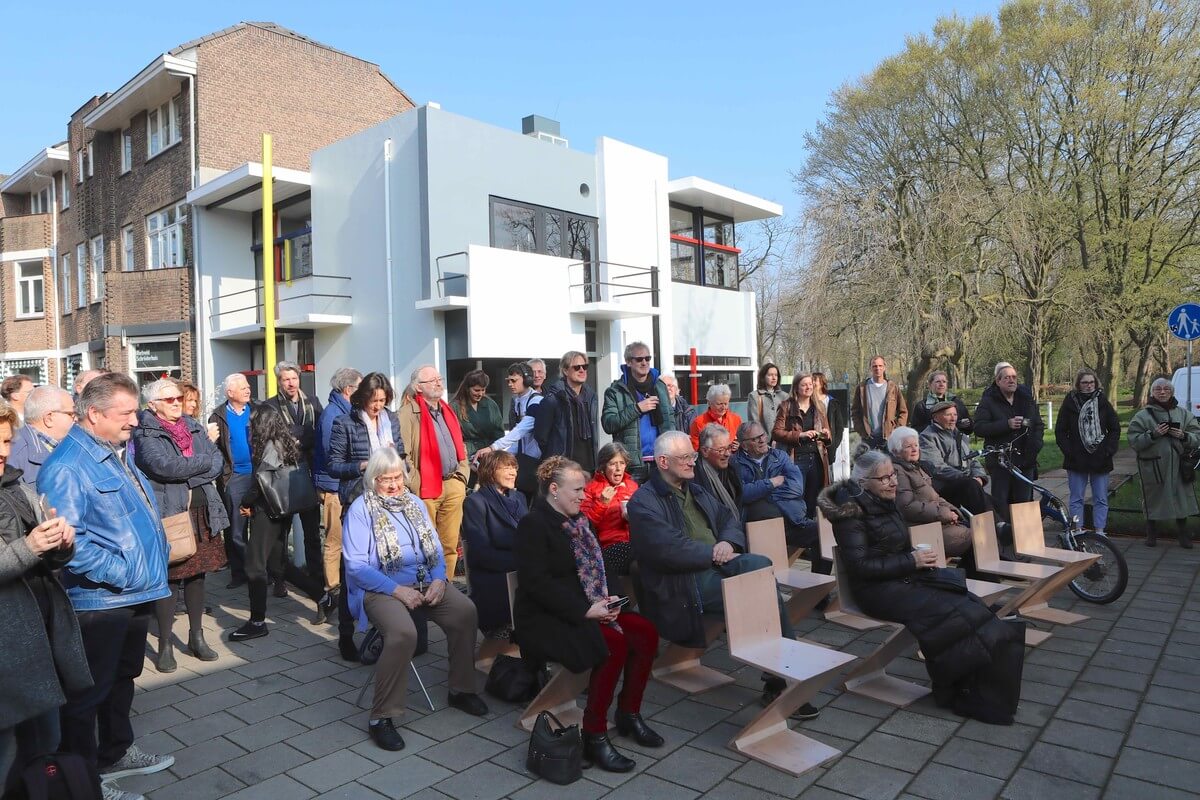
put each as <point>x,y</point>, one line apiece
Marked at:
<point>1051,504</point>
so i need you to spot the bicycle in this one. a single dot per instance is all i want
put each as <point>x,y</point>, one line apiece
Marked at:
<point>1106,579</point>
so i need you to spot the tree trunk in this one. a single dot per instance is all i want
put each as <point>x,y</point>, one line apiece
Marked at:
<point>1034,353</point>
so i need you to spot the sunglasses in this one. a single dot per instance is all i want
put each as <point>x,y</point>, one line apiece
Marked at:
<point>579,367</point>
<point>640,359</point>
<point>172,400</point>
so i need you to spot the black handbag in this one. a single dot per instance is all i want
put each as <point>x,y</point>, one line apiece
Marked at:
<point>555,750</point>
<point>512,680</point>
<point>55,776</point>
<point>287,489</point>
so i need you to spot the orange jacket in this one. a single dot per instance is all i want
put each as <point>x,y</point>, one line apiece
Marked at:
<point>731,423</point>
<point>610,525</point>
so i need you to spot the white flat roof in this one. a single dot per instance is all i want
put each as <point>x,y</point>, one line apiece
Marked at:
<point>48,161</point>
<point>240,189</point>
<point>701,193</point>
<point>153,86</point>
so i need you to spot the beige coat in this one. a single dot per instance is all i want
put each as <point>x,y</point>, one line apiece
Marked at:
<point>410,431</point>
<point>919,503</point>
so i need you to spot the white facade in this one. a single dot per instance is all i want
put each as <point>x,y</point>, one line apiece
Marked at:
<point>409,268</point>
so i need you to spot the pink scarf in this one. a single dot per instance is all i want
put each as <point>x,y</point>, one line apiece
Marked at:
<point>179,434</point>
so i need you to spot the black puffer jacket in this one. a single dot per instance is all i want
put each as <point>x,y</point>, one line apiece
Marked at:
<point>991,422</point>
<point>957,632</point>
<point>1076,458</point>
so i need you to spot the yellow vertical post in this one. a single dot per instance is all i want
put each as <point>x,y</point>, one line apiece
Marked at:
<point>268,238</point>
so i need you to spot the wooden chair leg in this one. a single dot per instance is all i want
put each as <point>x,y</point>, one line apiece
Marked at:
<point>558,697</point>
<point>870,679</point>
<point>680,667</point>
<point>1036,606</point>
<point>834,613</point>
<point>803,601</point>
<point>489,649</point>
<point>768,739</point>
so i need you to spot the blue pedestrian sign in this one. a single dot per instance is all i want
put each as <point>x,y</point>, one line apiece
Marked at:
<point>1184,321</point>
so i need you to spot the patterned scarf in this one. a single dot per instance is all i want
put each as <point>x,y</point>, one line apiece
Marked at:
<point>308,415</point>
<point>589,560</point>
<point>1091,433</point>
<point>379,432</point>
<point>380,509</point>
<point>180,435</point>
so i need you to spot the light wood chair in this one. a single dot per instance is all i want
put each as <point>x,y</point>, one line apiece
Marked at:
<point>755,639</point>
<point>869,677</point>
<point>769,538</point>
<point>680,666</point>
<point>488,649</point>
<point>1029,536</point>
<point>559,694</point>
<point>835,612</point>
<point>931,534</point>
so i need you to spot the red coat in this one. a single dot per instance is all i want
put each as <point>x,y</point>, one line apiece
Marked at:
<point>606,518</point>
<point>731,423</point>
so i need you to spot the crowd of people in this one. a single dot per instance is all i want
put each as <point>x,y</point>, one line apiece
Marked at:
<point>389,492</point>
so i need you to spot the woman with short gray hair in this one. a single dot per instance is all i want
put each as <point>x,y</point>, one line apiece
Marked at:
<point>718,412</point>
<point>1164,434</point>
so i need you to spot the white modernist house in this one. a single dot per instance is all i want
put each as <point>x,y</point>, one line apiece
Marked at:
<point>434,238</point>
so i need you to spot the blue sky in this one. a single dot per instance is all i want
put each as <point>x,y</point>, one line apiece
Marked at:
<point>725,90</point>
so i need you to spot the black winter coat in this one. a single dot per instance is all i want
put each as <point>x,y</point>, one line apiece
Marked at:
<point>920,417</point>
<point>306,435</point>
<point>551,607</point>
<point>1076,458</point>
<point>555,426</point>
<point>490,532</point>
<point>669,560</point>
<point>958,633</point>
<point>991,422</point>
<point>172,476</point>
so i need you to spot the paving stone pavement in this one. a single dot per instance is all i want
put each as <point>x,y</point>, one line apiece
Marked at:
<point>1110,708</point>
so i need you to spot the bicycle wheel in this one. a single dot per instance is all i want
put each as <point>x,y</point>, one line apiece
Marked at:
<point>1105,580</point>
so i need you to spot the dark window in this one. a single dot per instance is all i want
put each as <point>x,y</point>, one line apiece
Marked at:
<point>683,262</point>
<point>536,229</point>
<point>715,248</point>
<point>514,227</point>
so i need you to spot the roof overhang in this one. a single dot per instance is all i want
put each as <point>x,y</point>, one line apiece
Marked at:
<point>743,207</point>
<point>37,171</point>
<point>240,189</point>
<point>153,86</point>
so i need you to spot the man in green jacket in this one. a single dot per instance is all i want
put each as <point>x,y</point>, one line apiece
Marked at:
<point>637,409</point>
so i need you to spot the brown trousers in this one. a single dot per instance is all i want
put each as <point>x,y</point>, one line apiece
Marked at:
<point>455,615</point>
<point>331,518</point>
<point>446,511</point>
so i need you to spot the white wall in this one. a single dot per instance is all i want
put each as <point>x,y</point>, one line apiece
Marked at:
<point>717,322</point>
<point>225,265</point>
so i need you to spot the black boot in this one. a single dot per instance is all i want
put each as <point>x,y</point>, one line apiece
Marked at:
<point>598,750</point>
<point>1151,535</point>
<point>630,724</point>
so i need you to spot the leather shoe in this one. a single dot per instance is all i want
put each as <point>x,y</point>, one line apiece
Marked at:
<point>598,750</point>
<point>199,648</point>
<point>281,589</point>
<point>235,583</point>
<point>468,703</point>
<point>385,735</point>
<point>630,724</point>
<point>348,648</point>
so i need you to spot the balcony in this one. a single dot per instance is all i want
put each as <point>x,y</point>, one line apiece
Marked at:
<point>305,303</point>
<point>26,233</point>
<point>605,290</point>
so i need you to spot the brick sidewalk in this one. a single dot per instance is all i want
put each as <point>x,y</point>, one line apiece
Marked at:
<point>1110,708</point>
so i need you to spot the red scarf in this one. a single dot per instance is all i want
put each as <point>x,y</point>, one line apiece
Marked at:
<point>179,434</point>
<point>431,456</point>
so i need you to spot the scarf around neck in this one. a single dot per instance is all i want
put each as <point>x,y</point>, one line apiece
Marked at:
<point>180,434</point>
<point>430,456</point>
<point>647,388</point>
<point>308,416</point>
<point>379,432</point>
<point>387,545</point>
<point>589,560</point>
<point>718,486</point>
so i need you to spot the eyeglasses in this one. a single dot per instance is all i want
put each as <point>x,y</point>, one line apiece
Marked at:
<point>891,478</point>
<point>172,399</point>
<point>640,359</point>
<point>578,367</point>
<point>689,458</point>
<point>438,379</point>
<point>386,481</point>
<point>720,450</point>
<point>1087,383</point>
<point>762,437</point>
<point>71,414</point>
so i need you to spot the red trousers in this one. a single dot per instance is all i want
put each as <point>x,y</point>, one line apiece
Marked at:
<point>630,651</point>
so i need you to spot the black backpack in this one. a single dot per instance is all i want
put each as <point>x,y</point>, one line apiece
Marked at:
<point>56,776</point>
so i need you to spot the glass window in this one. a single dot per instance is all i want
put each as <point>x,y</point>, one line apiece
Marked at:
<point>30,289</point>
<point>682,222</point>
<point>165,237</point>
<point>720,269</point>
<point>91,160</point>
<point>514,227</point>
<point>81,274</point>
<point>162,128</point>
<point>66,188</point>
<point>80,166</point>
<point>581,238</point>
<point>126,150</point>
<point>127,248</point>
<point>32,368</point>
<point>683,262</point>
<point>154,360</point>
<point>65,281</point>
<point>97,268</point>
<point>718,230</point>
<point>554,234</point>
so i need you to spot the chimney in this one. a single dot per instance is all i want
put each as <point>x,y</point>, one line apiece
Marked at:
<point>547,130</point>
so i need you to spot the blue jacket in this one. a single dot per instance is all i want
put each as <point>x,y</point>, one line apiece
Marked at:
<point>29,452</point>
<point>349,447</point>
<point>120,546</point>
<point>788,497</point>
<point>335,407</point>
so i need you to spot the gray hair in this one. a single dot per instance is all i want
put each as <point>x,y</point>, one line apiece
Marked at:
<point>82,378</point>
<point>231,378</point>
<point>866,464</point>
<point>1157,382</point>
<point>381,462</point>
<point>633,347</point>
<point>152,391</point>
<point>101,391</point>
<point>609,452</point>
<point>710,433</point>
<point>42,400</point>
<point>416,373</point>
<point>895,441</point>
<point>718,390</point>
<point>668,378</point>
<point>1003,365</point>
<point>746,430</point>
<point>665,443</point>
<point>537,361</point>
<point>344,378</point>
<point>287,366</point>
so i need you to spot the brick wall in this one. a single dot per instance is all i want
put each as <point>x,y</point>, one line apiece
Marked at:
<point>254,81</point>
<point>30,232</point>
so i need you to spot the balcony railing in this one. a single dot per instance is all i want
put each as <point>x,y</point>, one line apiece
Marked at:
<point>611,282</point>
<point>306,296</point>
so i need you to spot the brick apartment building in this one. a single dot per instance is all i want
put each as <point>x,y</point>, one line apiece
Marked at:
<point>96,263</point>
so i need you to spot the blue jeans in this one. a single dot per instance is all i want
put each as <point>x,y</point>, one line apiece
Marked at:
<point>709,584</point>
<point>1077,483</point>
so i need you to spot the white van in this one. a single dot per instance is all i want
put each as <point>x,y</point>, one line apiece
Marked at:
<point>1180,382</point>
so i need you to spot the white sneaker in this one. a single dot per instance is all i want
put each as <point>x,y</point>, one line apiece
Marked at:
<point>111,791</point>
<point>136,762</point>
<point>1101,532</point>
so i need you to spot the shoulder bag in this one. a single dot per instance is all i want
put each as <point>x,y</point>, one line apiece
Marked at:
<point>510,679</point>
<point>555,750</point>
<point>181,537</point>
<point>287,489</point>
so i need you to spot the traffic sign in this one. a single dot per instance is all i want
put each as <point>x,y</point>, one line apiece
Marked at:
<point>1184,321</point>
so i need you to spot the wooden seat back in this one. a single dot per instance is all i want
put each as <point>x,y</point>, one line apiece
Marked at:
<point>983,538</point>
<point>1028,534</point>
<point>849,603</point>
<point>768,538</point>
<point>825,534</point>
<point>931,534</point>
<point>746,596</point>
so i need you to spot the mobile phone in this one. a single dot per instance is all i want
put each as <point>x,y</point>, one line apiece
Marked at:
<point>618,603</point>
<point>1174,426</point>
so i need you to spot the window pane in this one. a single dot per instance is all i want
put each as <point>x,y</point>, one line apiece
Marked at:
<point>683,262</point>
<point>718,230</point>
<point>682,222</point>
<point>513,227</point>
<point>720,269</point>
<point>554,234</point>
<point>581,238</point>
